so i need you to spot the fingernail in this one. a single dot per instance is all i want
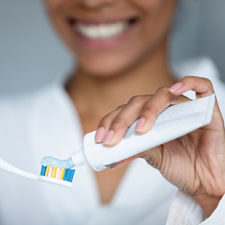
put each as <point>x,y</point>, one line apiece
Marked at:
<point>99,134</point>
<point>108,137</point>
<point>140,124</point>
<point>175,87</point>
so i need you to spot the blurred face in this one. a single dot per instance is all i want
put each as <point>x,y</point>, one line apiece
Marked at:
<point>111,36</point>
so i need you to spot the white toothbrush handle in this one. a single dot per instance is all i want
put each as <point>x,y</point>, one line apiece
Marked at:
<point>12,169</point>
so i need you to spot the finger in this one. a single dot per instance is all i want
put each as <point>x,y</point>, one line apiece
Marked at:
<point>105,124</point>
<point>124,119</point>
<point>158,103</point>
<point>202,86</point>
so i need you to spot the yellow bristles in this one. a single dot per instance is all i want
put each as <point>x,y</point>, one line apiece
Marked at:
<point>62,173</point>
<point>54,171</point>
<point>47,170</point>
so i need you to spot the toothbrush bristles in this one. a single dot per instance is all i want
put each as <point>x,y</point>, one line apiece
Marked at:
<point>58,173</point>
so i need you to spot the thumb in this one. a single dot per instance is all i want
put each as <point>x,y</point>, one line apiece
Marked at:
<point>154,157</point>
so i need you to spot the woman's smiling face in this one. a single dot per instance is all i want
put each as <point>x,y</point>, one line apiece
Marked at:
<point>111,36</point>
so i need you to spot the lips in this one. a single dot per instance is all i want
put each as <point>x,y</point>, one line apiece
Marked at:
<point>102,29</point>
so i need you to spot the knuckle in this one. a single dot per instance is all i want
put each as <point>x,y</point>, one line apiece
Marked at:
<point>149,111</point>
<point>135,99</point>
<point>206,79</point>
<point>118,124</point>
<point>163,90</point>
<point>106,120</point>
<point>139,99</point>
<point>208,82</point>
<point>187,79</point>
<point>165,94</point>
<point>120,107</point>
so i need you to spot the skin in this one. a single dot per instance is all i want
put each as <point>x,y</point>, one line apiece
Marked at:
<point>108,77</point>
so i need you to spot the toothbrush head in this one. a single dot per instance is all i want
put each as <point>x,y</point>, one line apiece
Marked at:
<point>57,171</point>
<point>57,175</point>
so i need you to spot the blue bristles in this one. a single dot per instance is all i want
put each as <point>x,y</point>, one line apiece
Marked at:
<point>43,169</point>
<point>68,175</point>
<point>71,175</point>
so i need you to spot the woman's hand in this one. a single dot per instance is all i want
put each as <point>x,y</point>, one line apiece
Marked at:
<point>195,163</point>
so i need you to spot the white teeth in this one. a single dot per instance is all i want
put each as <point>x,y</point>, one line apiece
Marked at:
<point>101,31</point>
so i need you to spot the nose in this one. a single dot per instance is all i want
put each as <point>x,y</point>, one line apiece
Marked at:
<point>96,3</point>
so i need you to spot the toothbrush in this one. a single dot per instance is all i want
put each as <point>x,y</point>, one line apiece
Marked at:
<point>49,174</point>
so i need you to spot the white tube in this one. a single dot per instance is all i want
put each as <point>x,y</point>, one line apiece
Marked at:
<point>174,122</point>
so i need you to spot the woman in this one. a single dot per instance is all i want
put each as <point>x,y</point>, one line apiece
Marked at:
<point>121,49</point>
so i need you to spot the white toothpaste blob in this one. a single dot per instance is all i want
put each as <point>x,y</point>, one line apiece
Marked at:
<point>48,160</point>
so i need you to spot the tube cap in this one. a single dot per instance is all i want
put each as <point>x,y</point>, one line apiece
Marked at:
<point>78,158</point>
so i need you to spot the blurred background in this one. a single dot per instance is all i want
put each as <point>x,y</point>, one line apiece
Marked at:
<point>31,55</point>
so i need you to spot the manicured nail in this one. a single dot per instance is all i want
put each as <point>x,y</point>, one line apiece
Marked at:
<point>108,137</point>
<point>140,124</point>
<point>99,134</point>
<point>175,87</point>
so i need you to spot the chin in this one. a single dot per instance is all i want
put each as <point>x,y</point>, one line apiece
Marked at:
<point>105,67</point>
